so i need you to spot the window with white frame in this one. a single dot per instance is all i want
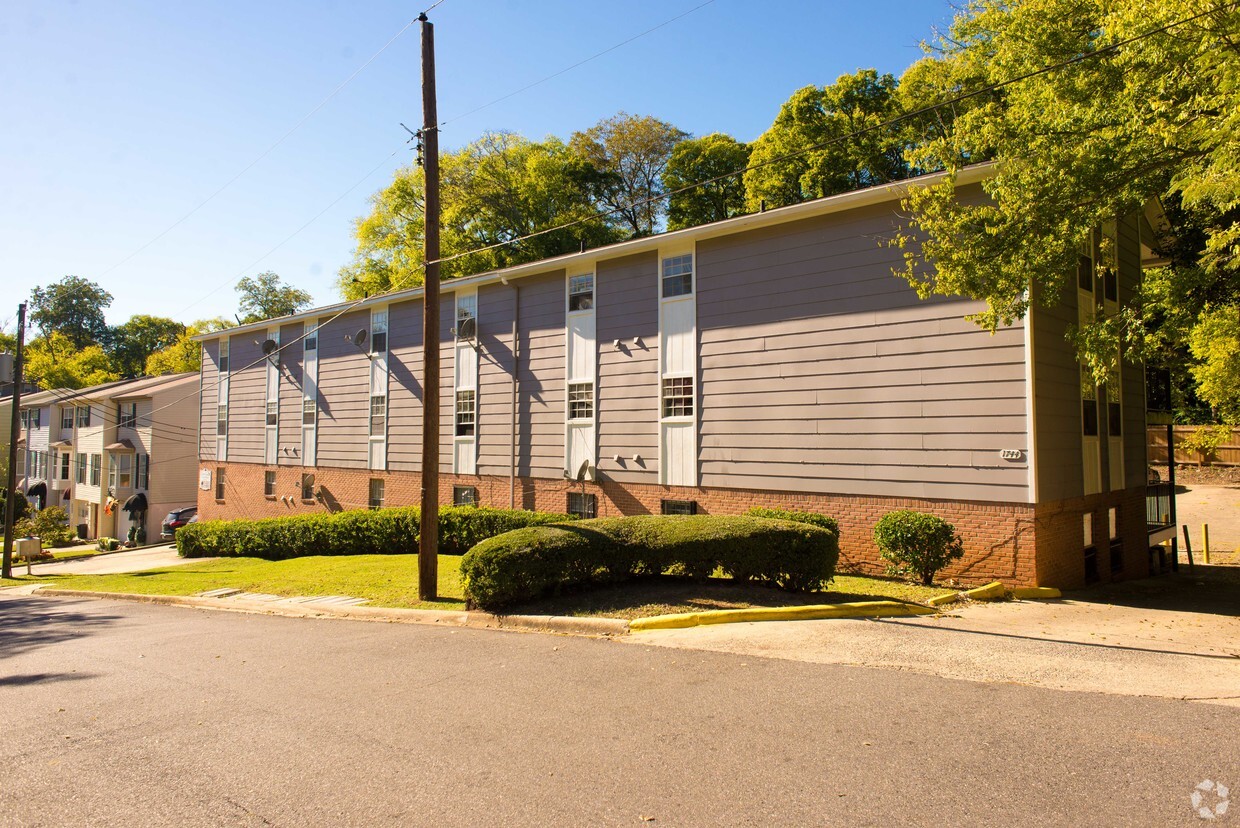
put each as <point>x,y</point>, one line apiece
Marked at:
<point>309,412</point>
<point>466,413</point>
<point>127,415</point>
<point>219,483</point>
<point>221,420</point>
<point>83,416</point>
<point>96,468</point>
<point>66,418</point>
<point>582,504</point>
<point>466,315</point>
<point>376,493</point>
<point>464,496</point>
<point>581,400</point>
<point>25,417</point>
<point>378,332</point>
<point>273,412</point>
<point>311,342</point>
<point>80,475</point>
<point>224,355</point>
<point>143,472</point>
<point>269,484</point>
<point>307,486</point>
<point>678,396</point>
<point>124,467</point>
<point>36,418</point>
<point>65,461</point>
<point>581,293</point>
<point>378,415</point>
<point>678,276</point>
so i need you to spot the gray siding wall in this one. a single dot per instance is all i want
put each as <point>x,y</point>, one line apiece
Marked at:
<point>496,308</point>
<point>627,292</point>
<point>405,386</point>
<point>344,394</point>
<point>247,398</point>
<point>209,398</point>
<point>540,396</point>
<point>288,438</point>
<point>1057,403</point>
<point>821,372</point>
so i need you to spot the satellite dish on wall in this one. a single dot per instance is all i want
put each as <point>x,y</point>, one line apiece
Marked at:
<point>269,346</point>
<point>467,328</point>
<point>359,338</point>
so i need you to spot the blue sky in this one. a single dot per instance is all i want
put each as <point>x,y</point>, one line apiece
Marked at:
<point>121,117</point>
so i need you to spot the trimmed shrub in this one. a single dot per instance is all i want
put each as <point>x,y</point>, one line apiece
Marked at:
<point>358,532</point>
<point>813,518</point>
<point>528,563</point>
<point>916,544</point>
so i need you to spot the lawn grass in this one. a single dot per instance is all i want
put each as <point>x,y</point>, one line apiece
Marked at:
<point>391,581</point>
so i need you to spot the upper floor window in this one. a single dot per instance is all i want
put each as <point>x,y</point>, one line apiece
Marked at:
<point>1085,273</point>
<point>581,292</point>
<point>224,355</point>
<point>65,460</point>
<point>466,413</point>
<point>466,316</point>
<point>311,342</point>
<point>66,418</point>
<point>378,415</point>
<point>96,467</point>
<point>127,415</point>
<point>83,416</point>
<point>678,396</point>
<point>221,420</point>
<point>143,480</point>
<point>378,332</point>
<point>309,412</point>
<point>36,417</point>
<point>25,416</point>
<point>80,476</point>
<point>678,276</point>
<point>580,400</point>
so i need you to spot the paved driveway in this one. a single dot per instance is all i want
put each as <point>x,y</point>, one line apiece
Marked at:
<point>132,560</point>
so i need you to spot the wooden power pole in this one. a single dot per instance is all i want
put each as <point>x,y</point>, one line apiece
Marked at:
<point>428,532</point>
<point>15,433</point>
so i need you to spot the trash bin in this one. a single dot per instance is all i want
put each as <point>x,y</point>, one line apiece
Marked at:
<point>82,531</point>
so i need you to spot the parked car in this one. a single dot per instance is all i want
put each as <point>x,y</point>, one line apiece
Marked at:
<point>176,520</point>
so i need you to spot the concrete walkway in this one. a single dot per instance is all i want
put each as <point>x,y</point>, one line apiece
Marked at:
<point>1120,647</point>
<point>1218,506</point>
<point>131,560</point>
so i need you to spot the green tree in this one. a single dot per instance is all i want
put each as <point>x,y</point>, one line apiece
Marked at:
<point>131,344</point>
<point>630,152</point>
<point>185,354</point>
<point>52,361</point>
<point>1078,146</point>
<point>499,188</point>
<point>73,308</point>
<point>265,296</point>
<point>696,160</point>
<point>1215,343</point>
<point>784,169</point>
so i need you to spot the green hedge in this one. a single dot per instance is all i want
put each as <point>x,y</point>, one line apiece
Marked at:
<point>358,532</point>
<point>813,518</point>
<point>528,563</point>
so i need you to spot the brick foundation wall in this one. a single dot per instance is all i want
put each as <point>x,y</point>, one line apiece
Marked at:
<point>998,537</point>
<point>1061,538</point>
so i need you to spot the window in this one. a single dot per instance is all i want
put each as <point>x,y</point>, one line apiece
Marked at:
<point>679,507</point>
<point>25,416</point>
<point>466,316</point>
<point>311,342</point>
<point>124,465</point>
<point>309,412</point>
<point>65,459</point>
<point>465,413</point>
<point>582,505</point>
<point>678,276</point>
<point>224,356</point>
<point>1113,521</point>
<point>127,415</point>
<point>21,464</point>
<point>1115,419</point>
<point>81,469</point>
<point>1110,284</point>
<point>221,420</point>
<point>36,417</point>
<point>273,412</point>
<point>580,400</point>
<point>376,493</point>
<point>678,396</point>
<point>269,484</point>
<point>1089,417</point>
<point>1085,273</point>
<point>143,480</point>
<point>83,416</point>
<point>378,332</point>
<point>66,418</point>
<point>96,467</point>
<point>581,293</point>
<point>378,415</point>
<point>307,487</point>
<point>219,483</point>
<point>464,496</point>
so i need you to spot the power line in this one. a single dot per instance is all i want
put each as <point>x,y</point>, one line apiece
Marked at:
<point>567,69</point>
<point>265,152</point>
<point>1103,51</point>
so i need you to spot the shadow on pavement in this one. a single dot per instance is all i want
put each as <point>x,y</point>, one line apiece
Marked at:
<point>31,623</point>
<point>1210,590</point>
<point>41,678</point>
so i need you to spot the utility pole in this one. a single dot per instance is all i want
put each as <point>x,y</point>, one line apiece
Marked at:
<point>15,431</point>
<point>428,532</point>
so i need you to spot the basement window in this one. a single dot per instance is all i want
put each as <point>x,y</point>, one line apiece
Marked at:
<point>679,507</point>
<point>307,486</point>
<point>464,496</point>
<point>376,493</point>
<point>269,484</point>
<point>219,483</point>
<point>582,505</point>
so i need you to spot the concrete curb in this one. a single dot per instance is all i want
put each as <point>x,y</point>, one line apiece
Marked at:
<point>857,609</point>
<point>566,625</point>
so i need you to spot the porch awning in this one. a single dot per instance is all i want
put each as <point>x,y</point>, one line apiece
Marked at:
<point>60,444</point>
<point>38,490</point>
<point>135,503</point>
<point>119,445</point>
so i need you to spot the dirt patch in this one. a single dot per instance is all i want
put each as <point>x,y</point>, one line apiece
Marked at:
<point>1189,475</point>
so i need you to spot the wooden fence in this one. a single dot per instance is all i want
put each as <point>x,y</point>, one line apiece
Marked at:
<point>1228,454</point>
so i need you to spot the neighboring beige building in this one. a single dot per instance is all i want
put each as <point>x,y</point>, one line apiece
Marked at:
<point>91,449</point>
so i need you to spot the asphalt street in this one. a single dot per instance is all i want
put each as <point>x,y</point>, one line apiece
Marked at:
<point>114,713</point>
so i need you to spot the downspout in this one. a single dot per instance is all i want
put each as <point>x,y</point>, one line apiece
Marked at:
<point>512,448</point>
